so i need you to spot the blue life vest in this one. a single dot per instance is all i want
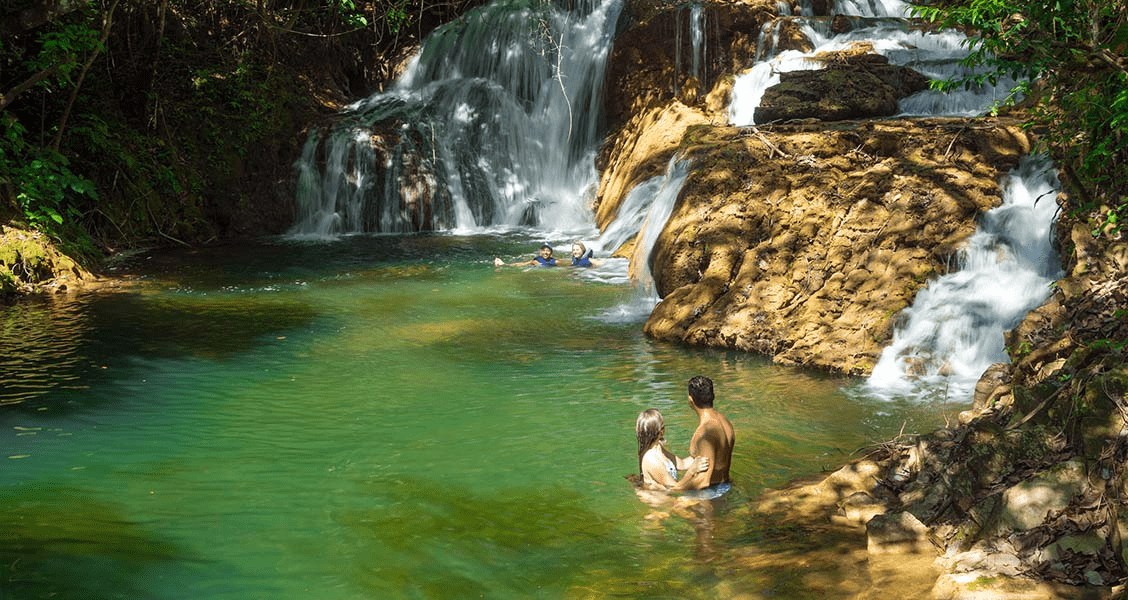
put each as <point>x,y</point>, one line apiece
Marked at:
<point>549,262</point>
<point>583,261</point>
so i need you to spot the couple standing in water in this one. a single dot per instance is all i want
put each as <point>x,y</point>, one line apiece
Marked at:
<point>710,448</point>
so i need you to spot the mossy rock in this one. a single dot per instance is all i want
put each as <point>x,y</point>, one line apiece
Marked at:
<point>29,262</point>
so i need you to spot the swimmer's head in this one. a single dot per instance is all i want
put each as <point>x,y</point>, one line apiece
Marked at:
<point>578,249</point>
<point>649,428</point>
<point>545,250</point>
<point>701,391</point>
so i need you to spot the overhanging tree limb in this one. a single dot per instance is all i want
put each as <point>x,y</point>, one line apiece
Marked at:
<point>86,67</point>
<point>10,95</point>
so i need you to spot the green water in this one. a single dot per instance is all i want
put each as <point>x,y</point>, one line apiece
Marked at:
<point>382,417</point>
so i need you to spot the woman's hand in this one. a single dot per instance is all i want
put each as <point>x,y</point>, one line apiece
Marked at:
<point>700,465</point>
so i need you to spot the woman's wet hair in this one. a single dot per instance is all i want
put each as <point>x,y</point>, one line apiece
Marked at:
<point>648,429</point>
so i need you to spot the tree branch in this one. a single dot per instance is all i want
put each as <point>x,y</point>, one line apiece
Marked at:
<point>30,82</point>
<point>86,67</point>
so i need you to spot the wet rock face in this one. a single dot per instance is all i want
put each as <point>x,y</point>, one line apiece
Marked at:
<point>804,242</point>
<point>653,60</point>
<point>858,87</point>
<point>799,241</point>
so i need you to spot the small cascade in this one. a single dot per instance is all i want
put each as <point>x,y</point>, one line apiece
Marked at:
<point>882,24</point>
<point>954,329</point>
<point>644,213</point>
<point>697,29</point>
<point>659,212</point>
<point>697,49</point>
<point>494,124</point>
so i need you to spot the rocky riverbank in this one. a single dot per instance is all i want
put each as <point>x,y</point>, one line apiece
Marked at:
<point>30,263</point>
<point>802,239</point>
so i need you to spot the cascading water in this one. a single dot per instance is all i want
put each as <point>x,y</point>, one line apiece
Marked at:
<point>495,123</point>
<point>954,329</point>
<point>884,26</point>
<point>643,215</point>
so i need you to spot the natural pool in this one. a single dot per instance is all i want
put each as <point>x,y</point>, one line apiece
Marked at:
<point>388,417</point>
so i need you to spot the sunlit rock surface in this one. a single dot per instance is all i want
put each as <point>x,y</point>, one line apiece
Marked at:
<point>803,241</point>
<point>30,263</point>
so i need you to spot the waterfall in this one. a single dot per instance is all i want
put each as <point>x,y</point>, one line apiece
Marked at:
<point>643,215</point>
<point>954,329</point>
<point>494,124</point>
<point>884,24</point>
<point>697,46</point>
<point>697,29</point>
<point>665,197</point>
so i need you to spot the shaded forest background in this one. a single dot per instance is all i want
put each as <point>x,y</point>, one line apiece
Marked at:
<point>146,122</point>
<point>155,122</point>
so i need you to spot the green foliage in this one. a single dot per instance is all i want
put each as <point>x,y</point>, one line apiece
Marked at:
<point>396,16</point>
<point>1109,220</point>
<point>39,179</point>
<point>1069,55</point>
<point>350,14</point>
<point>62,49</point>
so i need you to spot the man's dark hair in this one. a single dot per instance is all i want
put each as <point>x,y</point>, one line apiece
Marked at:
<point>701,391</point>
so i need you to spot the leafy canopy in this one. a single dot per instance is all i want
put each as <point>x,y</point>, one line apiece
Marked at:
<point>1069,56</point>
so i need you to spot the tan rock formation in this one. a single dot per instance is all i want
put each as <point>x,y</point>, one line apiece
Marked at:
<point>803,242</point>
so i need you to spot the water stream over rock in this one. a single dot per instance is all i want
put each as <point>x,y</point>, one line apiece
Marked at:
<point>954,330</point>
<point>494,124</point>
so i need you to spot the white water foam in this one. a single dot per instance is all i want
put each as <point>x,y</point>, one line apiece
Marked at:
<point>884,25</point>
<point>954,330</point>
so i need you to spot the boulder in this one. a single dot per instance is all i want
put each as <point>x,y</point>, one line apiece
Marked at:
<point>850,87</point>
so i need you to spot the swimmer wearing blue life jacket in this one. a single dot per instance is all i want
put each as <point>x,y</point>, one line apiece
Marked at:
<point>581,257</point>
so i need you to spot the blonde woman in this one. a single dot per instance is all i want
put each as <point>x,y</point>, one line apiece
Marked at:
<point>658,467</point>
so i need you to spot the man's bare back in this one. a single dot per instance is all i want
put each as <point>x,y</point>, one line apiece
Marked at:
<point>713,439</point>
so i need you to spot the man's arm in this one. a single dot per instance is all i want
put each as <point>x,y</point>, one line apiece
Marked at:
<point>500,263</point>
<point>699,480</point>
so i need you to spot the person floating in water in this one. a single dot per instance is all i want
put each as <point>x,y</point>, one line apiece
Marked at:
<point>543,258</point>
<point>581,257</point>
<point>714,440</point>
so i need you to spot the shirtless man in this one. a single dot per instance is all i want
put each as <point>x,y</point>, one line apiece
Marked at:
<point>713,439</point>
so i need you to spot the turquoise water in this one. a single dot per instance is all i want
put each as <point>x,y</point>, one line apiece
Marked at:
<point>382,417</point>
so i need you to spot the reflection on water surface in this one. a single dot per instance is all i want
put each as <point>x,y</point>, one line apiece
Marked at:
<point>392,417</point>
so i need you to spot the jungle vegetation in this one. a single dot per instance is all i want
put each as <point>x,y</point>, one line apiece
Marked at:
<point>147,122</point>
<point>166,121</point>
